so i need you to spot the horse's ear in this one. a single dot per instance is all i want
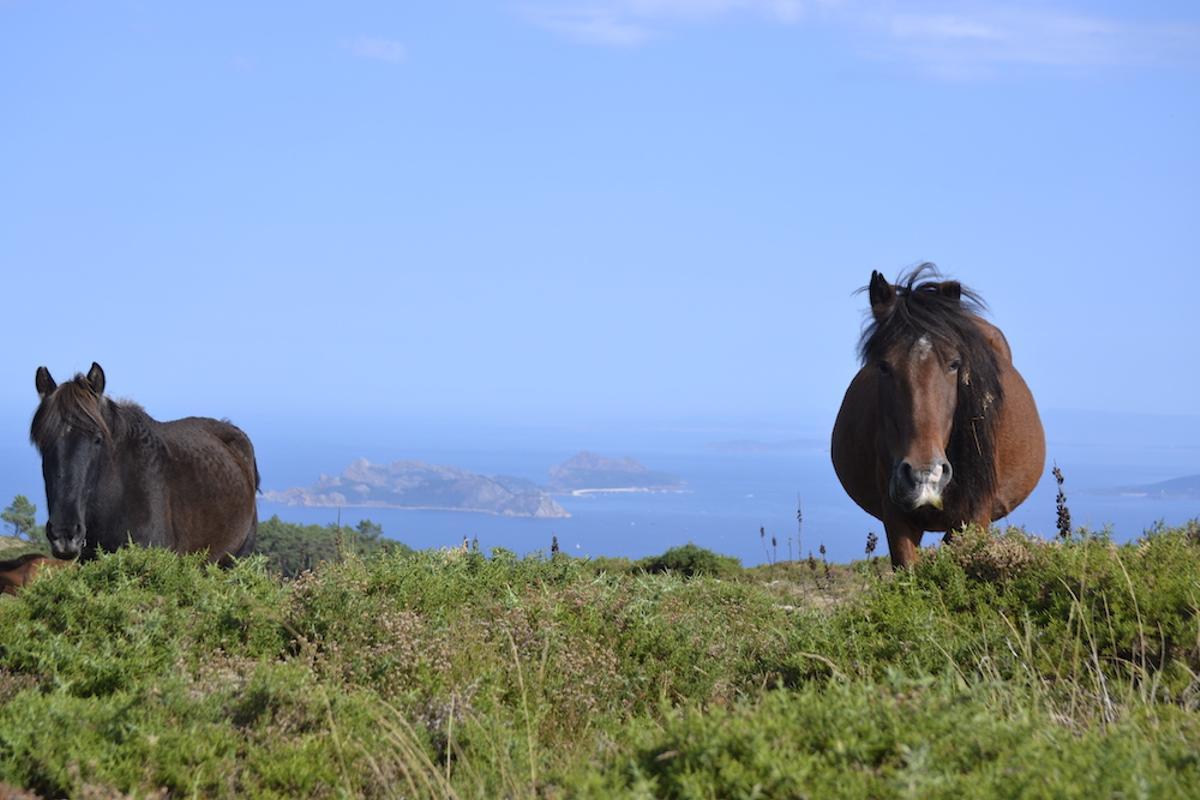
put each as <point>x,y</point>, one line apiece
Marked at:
<point>882,294</point>
<point>44,382</point>
<point>95,378</point>
<point>951,289</point>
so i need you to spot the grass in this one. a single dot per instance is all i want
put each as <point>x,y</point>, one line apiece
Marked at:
<point>1002,666</point>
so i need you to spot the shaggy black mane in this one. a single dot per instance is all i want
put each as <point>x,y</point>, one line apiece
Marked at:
<point>948,314</point>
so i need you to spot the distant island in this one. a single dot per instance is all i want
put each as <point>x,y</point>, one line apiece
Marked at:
<point>416,485</point>
<point>588,473</point>
<point>1185,488</point>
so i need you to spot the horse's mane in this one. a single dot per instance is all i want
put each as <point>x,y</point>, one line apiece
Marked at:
<point>950,320</point>
<point>74,404</point>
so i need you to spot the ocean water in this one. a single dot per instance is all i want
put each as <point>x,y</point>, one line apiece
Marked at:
<point>730,496</point>
<point>725,502</point>
<point>731,492</point>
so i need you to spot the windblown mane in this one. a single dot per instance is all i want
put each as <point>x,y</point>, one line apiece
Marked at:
<point>922,309</point>
<point>75,405</point>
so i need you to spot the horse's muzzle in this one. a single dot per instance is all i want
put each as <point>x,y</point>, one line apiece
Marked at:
<point>66,541</point>
<point>913,487</point>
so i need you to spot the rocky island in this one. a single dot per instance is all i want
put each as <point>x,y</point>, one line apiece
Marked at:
<point>416,485</point>
<point>588,473</point>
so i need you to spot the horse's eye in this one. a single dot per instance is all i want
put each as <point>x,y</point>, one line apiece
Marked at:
<point>884,369</point>
<point>954,365</point>
<point>98,440</point>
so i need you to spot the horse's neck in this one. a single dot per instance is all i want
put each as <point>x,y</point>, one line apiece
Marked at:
<point>137,431</point>
<point>137,448</point>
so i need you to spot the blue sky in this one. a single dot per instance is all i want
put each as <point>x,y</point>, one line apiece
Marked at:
<point>599,210</point>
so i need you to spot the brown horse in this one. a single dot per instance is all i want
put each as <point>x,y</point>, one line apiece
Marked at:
<point>17,572</point>
<point>937,429</point>
<point>114,475</point>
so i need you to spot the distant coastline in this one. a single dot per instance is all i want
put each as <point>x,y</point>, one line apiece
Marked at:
<point>267,498</point>
<point>417,486</point>
<point>1183,488</point>
<point>589,473</point>
<point>624,490</point>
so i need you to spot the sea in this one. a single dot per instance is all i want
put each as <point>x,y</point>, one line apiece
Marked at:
<point>743,485</point>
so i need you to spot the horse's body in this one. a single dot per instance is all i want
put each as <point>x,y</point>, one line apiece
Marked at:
<point>15,573</point>
<point>938,429</point>
<point>114,475</point>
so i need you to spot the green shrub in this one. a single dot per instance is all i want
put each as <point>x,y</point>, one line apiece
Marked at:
<point>107,625</point>
<point>689,560</point>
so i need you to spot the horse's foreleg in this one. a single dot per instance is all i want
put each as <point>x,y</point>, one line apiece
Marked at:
<point>903,540</point>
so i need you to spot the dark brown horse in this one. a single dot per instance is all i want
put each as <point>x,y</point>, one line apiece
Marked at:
<point>113,475</point>
<point>938,429</point>
<point>15,573</point>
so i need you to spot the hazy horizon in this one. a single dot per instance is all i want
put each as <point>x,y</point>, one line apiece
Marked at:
<point>731,493</point>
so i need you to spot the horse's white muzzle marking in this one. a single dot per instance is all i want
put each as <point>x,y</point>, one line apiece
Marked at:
<point>929,490</point>
<point>928,494</point>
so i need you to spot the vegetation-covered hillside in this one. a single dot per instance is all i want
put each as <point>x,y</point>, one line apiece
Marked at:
<point>1001,666</point>
<point>286,547</point>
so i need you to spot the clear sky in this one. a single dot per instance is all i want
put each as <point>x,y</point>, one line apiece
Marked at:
<point>603,209</point>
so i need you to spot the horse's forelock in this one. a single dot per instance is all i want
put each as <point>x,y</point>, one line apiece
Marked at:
<point>925,305</point>
<point>72,405</point>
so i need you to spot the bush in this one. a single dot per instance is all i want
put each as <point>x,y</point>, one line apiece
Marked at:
<point>690,560</point>
<point>140,613</point>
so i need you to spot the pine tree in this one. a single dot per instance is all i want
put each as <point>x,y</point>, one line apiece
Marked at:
<point>20,516</point>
